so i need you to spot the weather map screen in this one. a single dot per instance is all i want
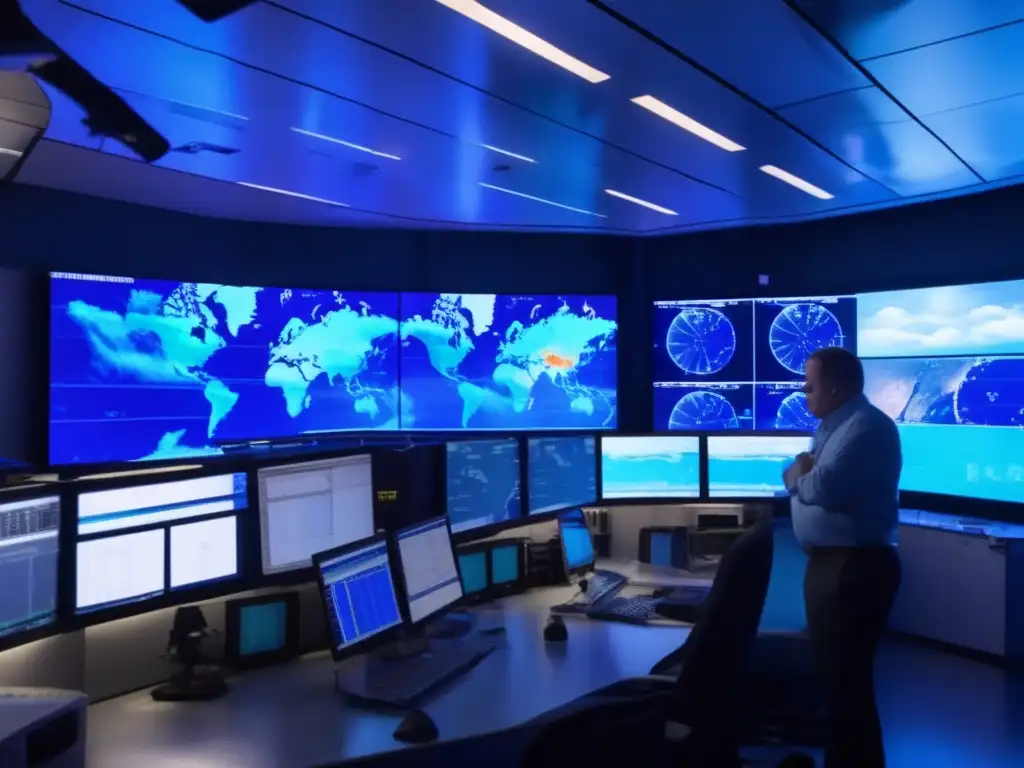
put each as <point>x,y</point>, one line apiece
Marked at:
<point>499,362</point>
<point>482,483</point>
<point>560,472</point>
<point>739,364</point>
<point>654,467</point>
<point>751,466</point>
<point>947,364</point>
<point>153,369</point>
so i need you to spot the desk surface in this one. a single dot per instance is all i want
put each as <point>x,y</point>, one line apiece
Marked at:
<point>291,714</point>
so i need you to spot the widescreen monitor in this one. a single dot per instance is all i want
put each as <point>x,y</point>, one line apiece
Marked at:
<point>204,552</point>
<point>155,369</point>
<point>29,545</point>
<point>358,590</point>
<point>502,362</point>
<point>650,467</point>
<point>120,569</point>
<point>561,472</point>
<point>482,480</point>
<point>738,364</point>
<point>577,545</point>
<point>429,571</point>
<point>947,364</point>
<point>751,466</point>
<point>313,506</point>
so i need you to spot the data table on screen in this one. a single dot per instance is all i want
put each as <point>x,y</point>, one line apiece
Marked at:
<point>364,603</point>
<point>204,551</point>
<point>119,569</point>
<point>29,547</point>
<point>428,567</point>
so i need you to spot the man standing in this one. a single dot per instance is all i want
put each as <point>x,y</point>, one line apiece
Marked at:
<point>844,499</point>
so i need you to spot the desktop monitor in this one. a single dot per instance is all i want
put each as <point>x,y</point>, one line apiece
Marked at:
<point>313,506</point>
<point>751,466</point>
<point>357,588</point>
<point>473,570</point>
<point>577,546</point>
<point>561,472</point>
<point>29,545</point>
<point>429,571</point>
<point>653,467</point>
<point>505,559</point>
<point>661,548</point>
<point>261,630</point>
<point>482,479</point>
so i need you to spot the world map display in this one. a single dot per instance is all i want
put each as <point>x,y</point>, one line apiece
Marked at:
<point>152,369</point>
<point>496,362</point>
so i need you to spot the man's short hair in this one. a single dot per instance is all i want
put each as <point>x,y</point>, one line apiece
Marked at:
<point>841,367</point>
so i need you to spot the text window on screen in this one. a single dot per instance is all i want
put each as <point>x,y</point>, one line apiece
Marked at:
<point>428,565</point>
<point>119,569</point>
<point>204,551</point>
<point>28,562</point>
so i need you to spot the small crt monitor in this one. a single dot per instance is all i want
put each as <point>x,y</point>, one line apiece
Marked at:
<point>505,564</point>
<point>473,569</point>
<point>261,630</point>
<point>661,548</point>
<point>650,467</point>
<point>29,542</point>
<point>561,472</point>
<point>482,479</point>
<point>577,545</point>
<point>751,466</point>
<point>313,506</point>
<point>358,592</point>
<point>429,571</point>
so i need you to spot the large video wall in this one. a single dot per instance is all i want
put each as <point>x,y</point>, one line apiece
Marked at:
<point>153,369</point>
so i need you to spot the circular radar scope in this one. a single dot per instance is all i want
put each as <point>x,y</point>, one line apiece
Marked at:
<point>793,414</point>
<point>701,341</point>
<point>990,394</point>
<point>801,329</point>
<point>703,410</point>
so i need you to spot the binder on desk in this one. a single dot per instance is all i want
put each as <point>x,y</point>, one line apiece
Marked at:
<point>668,547</point>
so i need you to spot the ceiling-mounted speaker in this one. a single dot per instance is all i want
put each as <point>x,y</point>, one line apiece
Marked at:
<point>214,10</point>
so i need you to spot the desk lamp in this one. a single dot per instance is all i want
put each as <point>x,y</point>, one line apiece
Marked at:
<point>184,645</point>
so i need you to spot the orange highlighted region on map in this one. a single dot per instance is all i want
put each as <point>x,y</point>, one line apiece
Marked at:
<point>558,361</point>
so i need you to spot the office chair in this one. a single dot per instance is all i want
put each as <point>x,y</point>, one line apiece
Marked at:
<point>631,718</point>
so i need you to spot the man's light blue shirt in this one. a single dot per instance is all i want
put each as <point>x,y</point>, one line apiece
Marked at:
<point>851,496</point>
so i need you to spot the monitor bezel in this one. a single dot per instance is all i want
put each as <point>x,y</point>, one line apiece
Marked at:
<point>382,638</point>
<point>775,501</point>
<point>474,548</point>
<point>580,569</point>
<point>406,604</point>
<point>702,467</point>
<point>486,531</point>
<point>232,625</point>
<point>525,481</point>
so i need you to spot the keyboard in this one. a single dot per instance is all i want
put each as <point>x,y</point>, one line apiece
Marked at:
<point>631,610</point>
<point>600,586</point>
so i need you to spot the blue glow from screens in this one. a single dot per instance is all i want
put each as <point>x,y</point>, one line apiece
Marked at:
<point>505,564</point>
<point>497,362</point>
<point>29,545</point>
<point>473,569</point>
<point>359,594</point>
<point>723,365</point>
<point>661,548</point>
<point>650,467</point>
<point>152,369</point>
<point>263,628</point>
<point>751,466</point>
<point>561,472</point>
<point>482,483</point>
<point>577,546</point>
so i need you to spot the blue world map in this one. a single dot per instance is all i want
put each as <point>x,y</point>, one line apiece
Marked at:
<point>497,362</point>
<point>151,369</point>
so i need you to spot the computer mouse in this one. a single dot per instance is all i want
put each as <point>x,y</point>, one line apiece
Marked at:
<point>662,592</point>
<point>417,727</point>
<point>555,631</point>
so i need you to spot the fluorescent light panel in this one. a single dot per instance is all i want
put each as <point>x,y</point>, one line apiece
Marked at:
<point>796,181</point>
<point>674,116</point>
<point>541,200</point>
<point>485,17</point>
<point>288,193</point>
<point>348,144</point>
<point>505,152</point>
<point>638,201</point>
<point>12,152</point>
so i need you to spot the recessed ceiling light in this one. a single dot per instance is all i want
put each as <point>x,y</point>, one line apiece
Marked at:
<point>541,200</point>
<point>796,181</point>
<point>288,193</point>
<point>485,17</point>
<point>13,152</point>
<point>505,152</point>
<point>674,116</point>
<point>638,201</point>
<point>348,144</point>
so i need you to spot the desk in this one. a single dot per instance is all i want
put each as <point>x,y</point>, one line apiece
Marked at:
<point>290,715</point>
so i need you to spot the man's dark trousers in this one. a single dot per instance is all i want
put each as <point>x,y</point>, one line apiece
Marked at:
<point>849,593</point>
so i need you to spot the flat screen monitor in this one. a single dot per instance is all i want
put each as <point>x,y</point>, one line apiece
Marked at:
<point>118,570</point>
<point>429,571</point>
<point>134,506</point>
<point>651,467</point>
<point>29,545</point>
<point>311,507</point>
<point>203,552</point>
<point>661,548</point>
<point>156,369</point>
<point>482,478</point>
<point>504,563</point>
<point>473,569</point>
<point>502,362</point>
<point>577,545</point>
<point>561,472</point>
<point>358,590</point>
<point>751,466</point>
